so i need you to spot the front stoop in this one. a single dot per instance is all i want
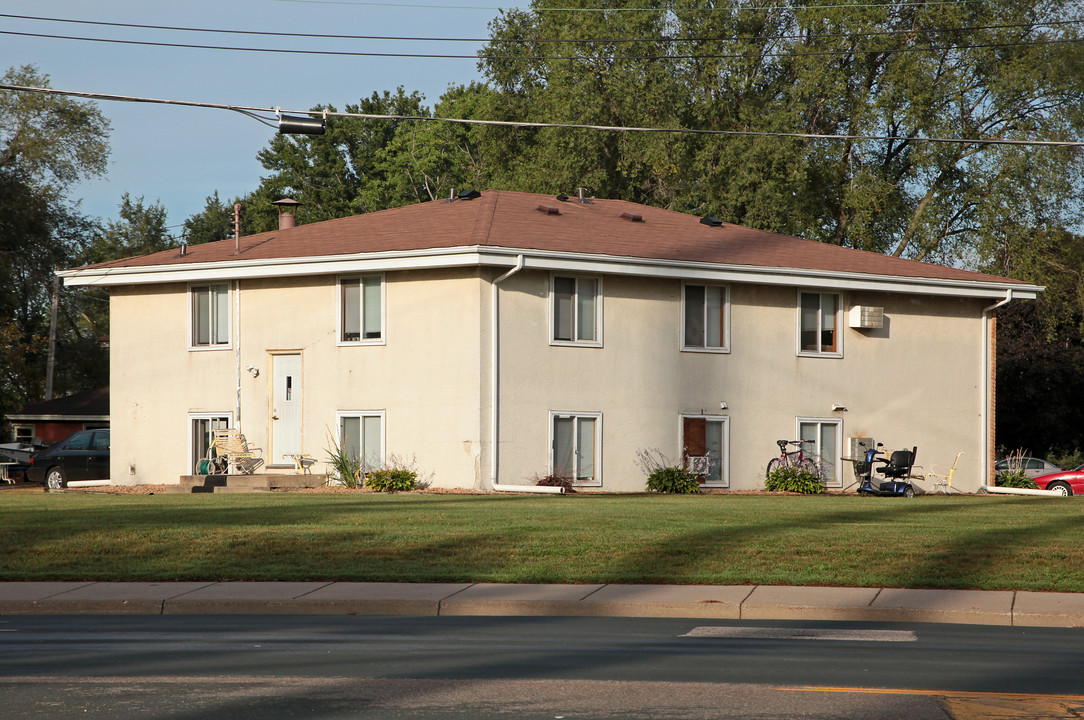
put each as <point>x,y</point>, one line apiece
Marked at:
<point>262,482</point>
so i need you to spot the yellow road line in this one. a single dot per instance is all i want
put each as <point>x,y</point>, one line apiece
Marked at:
<point>939,693</point>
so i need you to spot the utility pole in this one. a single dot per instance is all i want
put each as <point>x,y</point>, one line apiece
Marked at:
<point>51,362</point>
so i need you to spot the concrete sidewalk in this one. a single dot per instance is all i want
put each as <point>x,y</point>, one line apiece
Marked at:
<point>733,602</point>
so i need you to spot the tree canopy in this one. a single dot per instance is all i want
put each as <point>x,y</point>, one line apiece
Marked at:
<point>46,144</point>
<point>883,75</point>
<point>880,126</point>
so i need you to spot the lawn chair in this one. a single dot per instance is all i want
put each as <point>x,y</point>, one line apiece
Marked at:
<point>230,446</point>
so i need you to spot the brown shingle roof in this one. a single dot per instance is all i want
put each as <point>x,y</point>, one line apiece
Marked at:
<point>526,221</point>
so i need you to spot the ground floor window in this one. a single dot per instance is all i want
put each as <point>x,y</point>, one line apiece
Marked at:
<point>361,437</point>
<point>202,427</point>
<point>705,448</point>
<point>824,437</point>
<point>575,447</point>
<point>22,433</point>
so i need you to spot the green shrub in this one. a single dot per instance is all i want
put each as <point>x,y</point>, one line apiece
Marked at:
<point>795,480</point>
<point>672,480</point>
<point>391,479</point>
<point>343,466</point>
<point>1014,479</point>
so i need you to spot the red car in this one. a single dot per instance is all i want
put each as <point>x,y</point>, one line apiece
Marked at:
<point>1066,482</point>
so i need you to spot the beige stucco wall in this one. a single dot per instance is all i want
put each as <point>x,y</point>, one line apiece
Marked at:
<point>426,377</point>
<point>916,382</point>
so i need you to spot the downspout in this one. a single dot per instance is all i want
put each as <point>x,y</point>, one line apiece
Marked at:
<point>495,389</point>
<point>987,381</point>
<point>237,350</point>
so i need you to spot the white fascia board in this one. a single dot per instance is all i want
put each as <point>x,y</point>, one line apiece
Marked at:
<point>477,255</point>
<point>790,277</point>
<point>285,267</point>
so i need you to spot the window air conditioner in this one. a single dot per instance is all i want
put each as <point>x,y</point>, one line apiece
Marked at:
<point>864,316</point>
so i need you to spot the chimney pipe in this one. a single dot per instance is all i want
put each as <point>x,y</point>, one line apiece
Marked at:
<point>287,209</point>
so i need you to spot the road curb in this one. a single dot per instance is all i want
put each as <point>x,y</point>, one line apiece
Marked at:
<point>733,602</point>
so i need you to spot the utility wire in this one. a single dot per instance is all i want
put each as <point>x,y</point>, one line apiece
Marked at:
<point>486,56</point>
<point>252,111</point>
<point>626,9</point>
<point>667,39</point>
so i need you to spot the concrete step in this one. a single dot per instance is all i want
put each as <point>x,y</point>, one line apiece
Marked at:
<point>260,482</point>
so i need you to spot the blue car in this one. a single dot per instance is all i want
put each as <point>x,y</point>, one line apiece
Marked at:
<point>81,456</point>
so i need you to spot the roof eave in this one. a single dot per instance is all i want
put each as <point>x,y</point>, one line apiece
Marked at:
<point>485,255</point>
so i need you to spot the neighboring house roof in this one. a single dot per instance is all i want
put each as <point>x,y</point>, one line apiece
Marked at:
<point>496,228</point>
<point>90,405</point>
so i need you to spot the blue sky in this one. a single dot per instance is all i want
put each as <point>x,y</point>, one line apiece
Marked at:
<point>179,155</point>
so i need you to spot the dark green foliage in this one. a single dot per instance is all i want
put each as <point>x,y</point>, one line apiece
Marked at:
<point>391,480</point>
<point>673,480</point>
<point>792,479</point>
<point>47,144</point>
<point>1015,479</point>
<point>214,222</point>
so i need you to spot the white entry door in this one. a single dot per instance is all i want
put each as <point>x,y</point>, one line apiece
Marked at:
<point>285,408</point>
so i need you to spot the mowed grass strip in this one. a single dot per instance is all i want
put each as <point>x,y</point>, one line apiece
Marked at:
<point>991,543</point>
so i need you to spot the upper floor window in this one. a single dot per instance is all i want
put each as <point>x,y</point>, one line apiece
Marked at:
<point>361,309</point>
<point>706,310</point>
<point>818,324</point>
<point>210,315</point>
<point>577,310</point>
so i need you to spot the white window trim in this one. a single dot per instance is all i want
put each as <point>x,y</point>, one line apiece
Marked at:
<point>383,339</point>
<point>228,414</point>
<point>724,461</point>
<point>838,352</point>
<point>230,290</point>
<point>726,320</point>
<point>837,462</point>
<point>382,414</point>
<point>597,482</point>
<point>597,342</point>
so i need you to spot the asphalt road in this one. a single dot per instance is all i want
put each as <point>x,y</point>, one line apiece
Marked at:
<point>266,667</point>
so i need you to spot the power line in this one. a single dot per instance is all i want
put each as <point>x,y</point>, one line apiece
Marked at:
<point>667,39</point>
<point>252,111</point>
<point>627,9</point>
<point>485,56</point>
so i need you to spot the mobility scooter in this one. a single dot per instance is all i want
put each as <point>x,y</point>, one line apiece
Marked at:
<point>895,472</point>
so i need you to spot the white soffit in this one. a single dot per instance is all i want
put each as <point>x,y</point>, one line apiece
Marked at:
<point>540,260</point>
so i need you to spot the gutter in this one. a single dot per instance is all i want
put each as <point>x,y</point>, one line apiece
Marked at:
<point>495,389</point>
<point>988,482</point>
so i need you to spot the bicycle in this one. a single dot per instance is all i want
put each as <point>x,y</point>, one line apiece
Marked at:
<point>794,459</point>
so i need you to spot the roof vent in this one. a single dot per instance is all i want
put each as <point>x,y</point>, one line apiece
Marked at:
<point>581,193</point>
<point>548,210</point>
<point>469,195</point>
<point>287,212</point>
<point>711,221</point>
<point>632,217</point>
<point>562,197</point>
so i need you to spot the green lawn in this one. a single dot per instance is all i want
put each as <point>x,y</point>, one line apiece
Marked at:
<point>932,541</point>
